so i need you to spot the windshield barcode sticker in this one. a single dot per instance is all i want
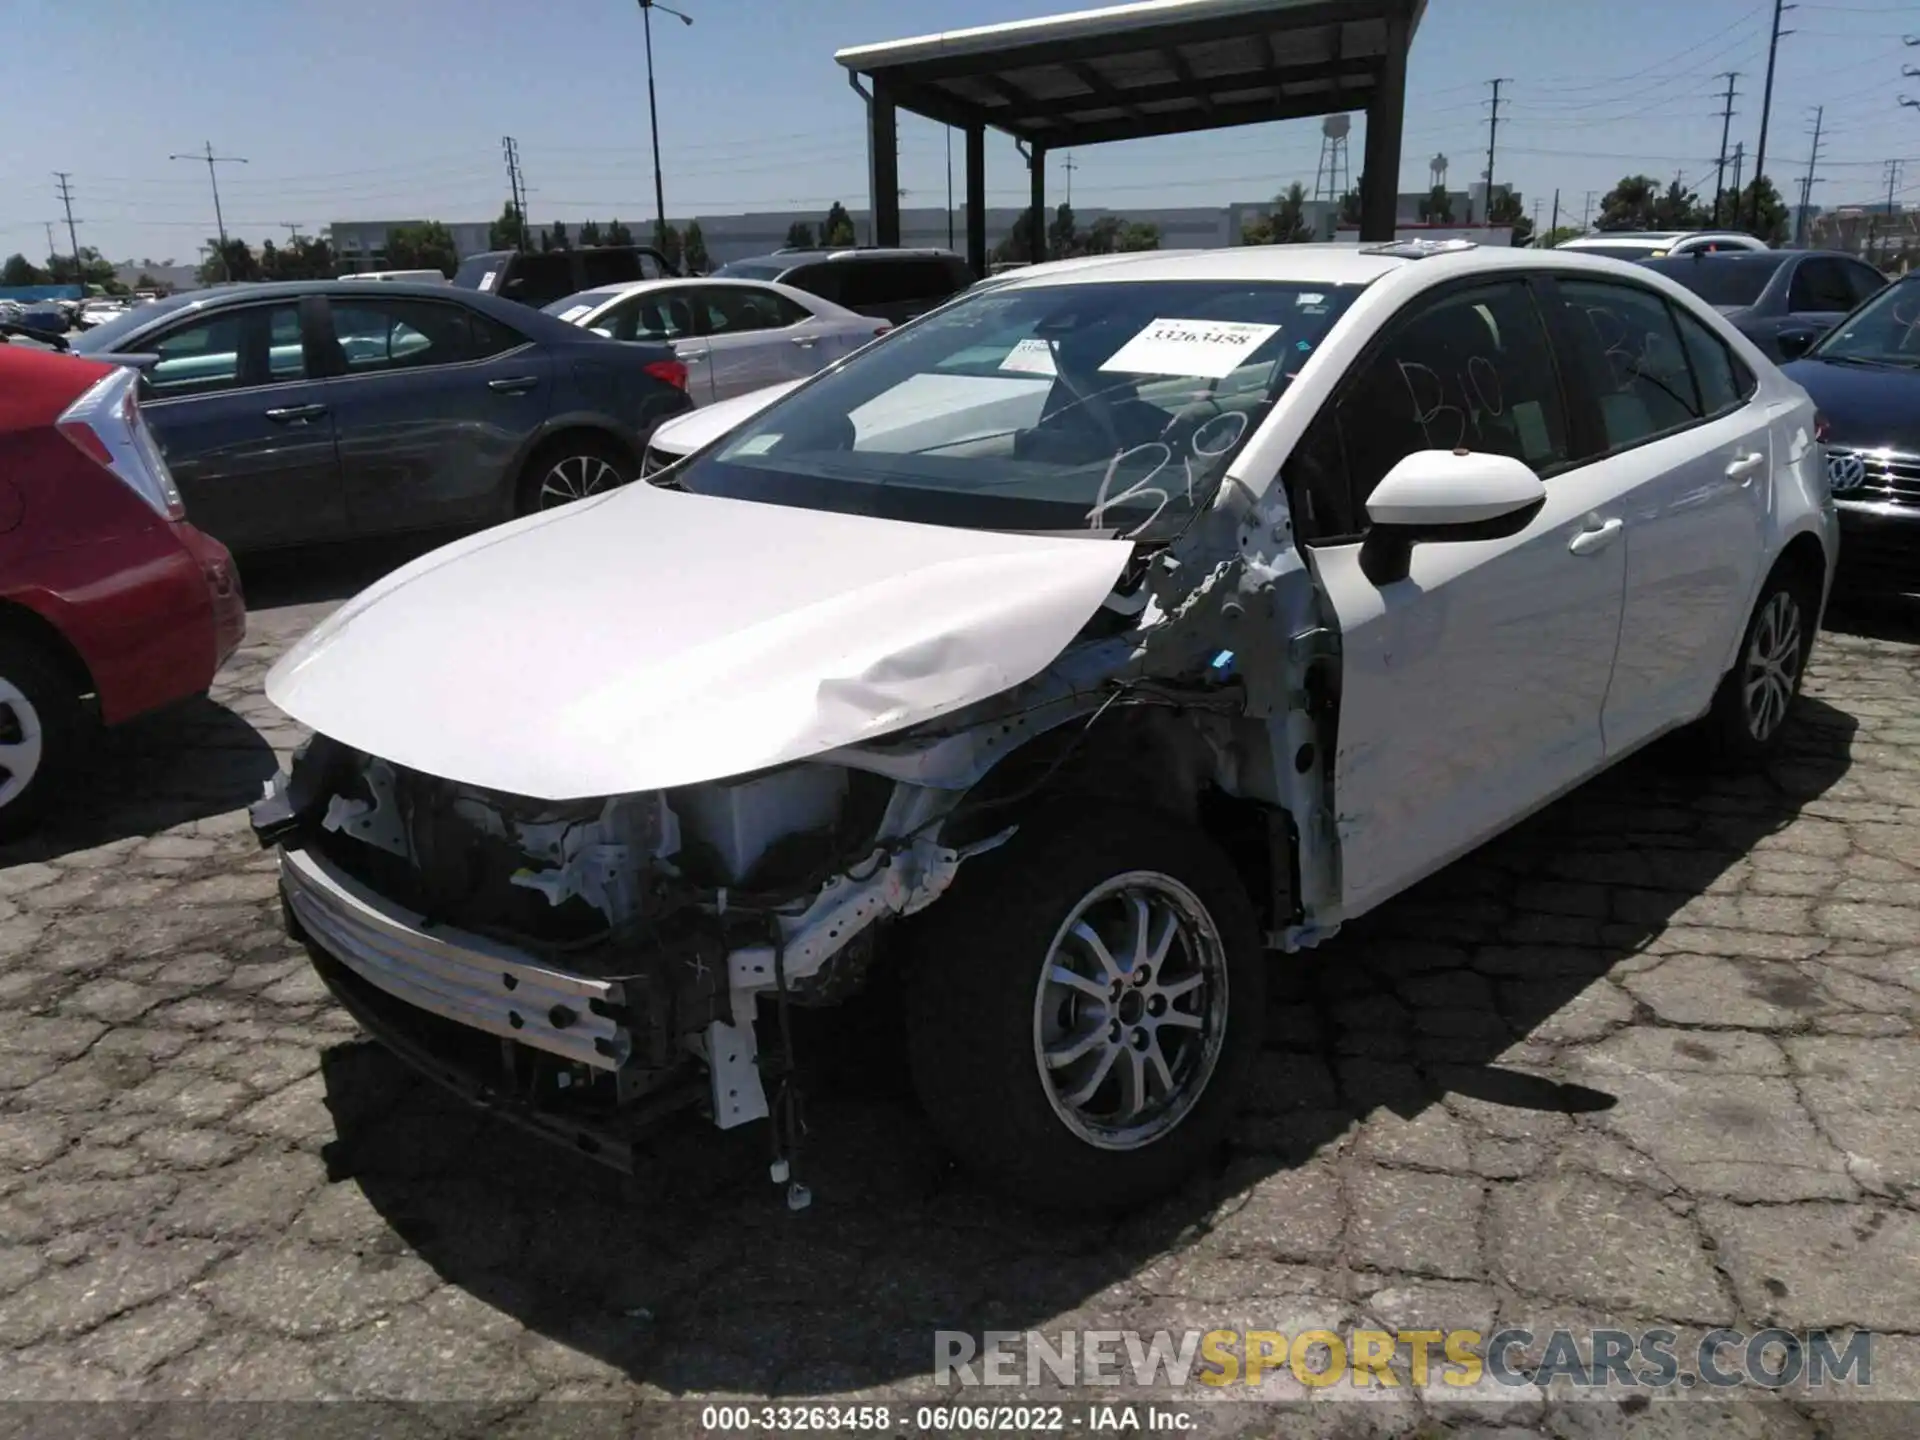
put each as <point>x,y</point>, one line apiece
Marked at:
<point>486,280</point>
<point>574,312</point>
<point>1030,357</point>
<point>1202,349</point>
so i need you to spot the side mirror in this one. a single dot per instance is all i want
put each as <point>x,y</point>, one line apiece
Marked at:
<point>1445,495</point>
<point>1795,343</point>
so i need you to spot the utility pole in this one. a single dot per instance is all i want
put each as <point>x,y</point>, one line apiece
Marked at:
<point>1806,185</point>
<point>1766,108</point>
<point>1070,167</point>
<point>51,252</point>
<point>65,191</point>
<point>647,7</point>
<point>1893,179</point>
<point>949,130</point>
<point>1739,163</point>
<point>1493,131</point>
<point>1586,212</point>
<point>515,188</point>
<point>1556,211</point>
<point>1720,168</point>
<point>292,227</point>
<point>213,175</point>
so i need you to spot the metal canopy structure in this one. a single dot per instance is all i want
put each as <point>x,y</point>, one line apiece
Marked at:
<point>1130,72</point>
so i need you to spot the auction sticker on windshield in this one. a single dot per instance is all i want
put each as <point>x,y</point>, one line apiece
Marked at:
<point>1202,349</point>
<point>575,312</point>
<point>1030,357</point>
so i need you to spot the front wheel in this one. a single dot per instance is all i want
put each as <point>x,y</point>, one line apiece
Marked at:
<point>1084,1015</point>
<point>1748,721</point>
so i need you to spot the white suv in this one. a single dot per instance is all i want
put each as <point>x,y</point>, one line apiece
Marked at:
<point>1072,651</point>
<point>1653,244</point>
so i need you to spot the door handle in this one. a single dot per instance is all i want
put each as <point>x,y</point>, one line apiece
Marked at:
<point>296,414</point>
<point>693,357</point>
<point>1596,538</point>
<point>806,342</point>
<point>1745,467</point>
<point>516,385</point>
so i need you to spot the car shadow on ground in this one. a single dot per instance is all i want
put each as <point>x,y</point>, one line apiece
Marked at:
<point>1875,617</point>
<point>316,574</point>
<point>189,762</point>
<point>693,1275</point>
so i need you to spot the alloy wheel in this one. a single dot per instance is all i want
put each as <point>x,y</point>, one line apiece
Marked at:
<point>1772,667</point>
<point>1130,1013</point>
<point>22,742</point>
<point>575,478</point>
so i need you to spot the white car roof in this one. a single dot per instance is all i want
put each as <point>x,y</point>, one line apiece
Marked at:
<point>601,295</point>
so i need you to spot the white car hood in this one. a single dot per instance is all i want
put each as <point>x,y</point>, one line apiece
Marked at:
<point>650,638</point>
<point>686,433</point>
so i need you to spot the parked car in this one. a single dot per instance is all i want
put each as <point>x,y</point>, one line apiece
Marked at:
<point>538,278</point>
<point>733,335</point>
<point>1658,244</point>
<point>1865,377</point>
<point>1782,300</point>
<point>1168,617</point>
<point>424,277</point>
<point>111,603</point>
<point>329,410</point>
<point>888,284</point>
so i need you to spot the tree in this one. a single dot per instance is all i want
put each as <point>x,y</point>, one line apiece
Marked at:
<point>1437,208</point>
<point>1629,205</point>
<point>1063,237</point>
<point>694,248</point>
<point>91,268</point>
<point>590,233</point>
<point>800,236</point>
<point>1285,224</point>
<point>1556,237</point>
<point>1350,206</point>
<point>428,246</point>
<point>509,232</point>
<point>1509,209</point>
<point>1102,237</point>
<point>559,237</point>
<point>232,261</point>
<point>1772,223</point>
<point>837,228</point>
<point>666,239</point>
<point>1017,247</point>
<point>1678,208</point>
<point>144,281</point>
<point>1139,235</point>
<point>618,234</point>
<point>21,271</point>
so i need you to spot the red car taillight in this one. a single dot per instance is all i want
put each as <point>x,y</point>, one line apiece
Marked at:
<point>673,372</point>
<point>1821,428</point>
<point>106,426</point>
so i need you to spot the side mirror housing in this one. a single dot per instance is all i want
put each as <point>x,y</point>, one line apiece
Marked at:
<point>1445,495</point>
<point>1795,343</point>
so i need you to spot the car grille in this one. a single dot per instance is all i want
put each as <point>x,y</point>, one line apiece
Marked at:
<point>1873,476</point>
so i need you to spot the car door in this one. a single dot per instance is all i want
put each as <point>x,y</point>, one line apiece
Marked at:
<point>746,347</point>
<point>1471,690</point>
<point>662,315</point>
<point>433,404</point>
<point>246,426</point>
<point>810,341</point>
<point>1818,298</point>
<point>1694,458</point>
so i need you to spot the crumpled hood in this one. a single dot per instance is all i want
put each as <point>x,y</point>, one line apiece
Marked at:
<point>650,638</point>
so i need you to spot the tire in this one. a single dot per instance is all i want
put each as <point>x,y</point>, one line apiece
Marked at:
<point>1747,723</point>
<point>978,1013</point>
<point>39,727</point>
<point>571,468</point>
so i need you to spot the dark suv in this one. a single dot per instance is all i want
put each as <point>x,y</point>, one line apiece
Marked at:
<point>541,277</point>
<point>888,284</point>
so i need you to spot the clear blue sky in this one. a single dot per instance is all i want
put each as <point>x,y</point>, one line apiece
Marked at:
<point>374,109</point>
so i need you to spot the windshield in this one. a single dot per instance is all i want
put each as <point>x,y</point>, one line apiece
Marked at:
<point>1722,281</point>
<point>1107,407</point>
<point>106,335</point>
<point>751,270</point>
<point>1886,328</point>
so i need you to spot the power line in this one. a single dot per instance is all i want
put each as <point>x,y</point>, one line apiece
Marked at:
<point>213,176</point>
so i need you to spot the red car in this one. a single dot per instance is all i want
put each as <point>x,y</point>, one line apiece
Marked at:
<point>111,604</point>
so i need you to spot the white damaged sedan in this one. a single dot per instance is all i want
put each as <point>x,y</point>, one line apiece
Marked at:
<point>1070,651</point>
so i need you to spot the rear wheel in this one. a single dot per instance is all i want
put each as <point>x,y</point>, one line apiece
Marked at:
<point>574,467</point>
<point>1748,721</point>
<point>39,724</point>
<point>1084,1014</point>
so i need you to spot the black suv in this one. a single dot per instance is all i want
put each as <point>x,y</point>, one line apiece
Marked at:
<point>541,277</point>
<point>887,284</point>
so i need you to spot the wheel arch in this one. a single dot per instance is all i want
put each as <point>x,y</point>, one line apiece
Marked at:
<point>24,623</point>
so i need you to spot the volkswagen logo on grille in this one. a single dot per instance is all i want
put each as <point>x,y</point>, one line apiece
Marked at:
<point>1845,472</point>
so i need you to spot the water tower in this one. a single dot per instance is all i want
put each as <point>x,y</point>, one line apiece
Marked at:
<point>1331,180</point>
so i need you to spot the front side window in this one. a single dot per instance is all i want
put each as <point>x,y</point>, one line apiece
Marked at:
<point>1470,368</point>
<point>258,345</point>
<point>400,334</point>
<point>1863,280</point>
<point>1884,331</point>
<point>1114,408</point>
<point>1820,285</point>
<point>1634,360</point>
<point>1727,280</point>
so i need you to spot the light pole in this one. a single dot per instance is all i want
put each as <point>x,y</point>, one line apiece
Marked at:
<point>647,7</point>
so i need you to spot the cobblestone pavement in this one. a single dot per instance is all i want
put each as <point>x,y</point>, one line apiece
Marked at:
<point>1649,1060</point>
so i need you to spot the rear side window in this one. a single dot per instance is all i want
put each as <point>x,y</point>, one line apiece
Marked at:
<point>616,267</point>
<point>1634,360</point>
<point>1820,285</point>
<point>1865,281</point>
<point>1723,381</point>
<point>401,334</point>
<point>538,280</point>
<point>821,280</point>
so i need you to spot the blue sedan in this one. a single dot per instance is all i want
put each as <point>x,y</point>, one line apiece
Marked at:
<point>327,410</point>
